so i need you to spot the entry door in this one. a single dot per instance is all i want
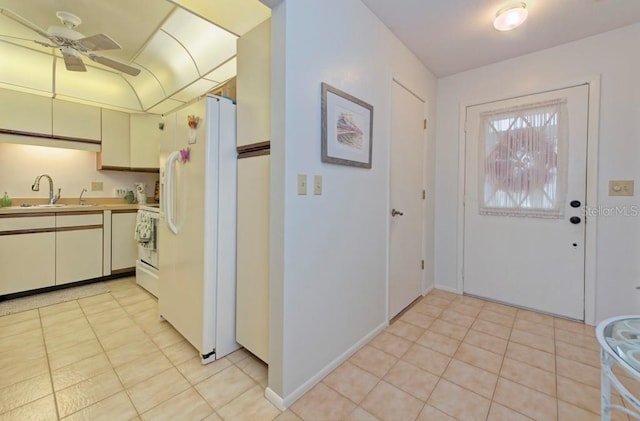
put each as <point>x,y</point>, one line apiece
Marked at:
<point>407,206</point>
<point>525,190</point>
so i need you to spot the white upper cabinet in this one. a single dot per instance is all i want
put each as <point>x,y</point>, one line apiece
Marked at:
<point>253,85</point>
<point>24,112</point>
<point>115,139</point>
<point>145,141</point>
<point>77,121</point>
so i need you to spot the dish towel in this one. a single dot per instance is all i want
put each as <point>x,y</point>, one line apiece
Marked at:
<point>143,228</point>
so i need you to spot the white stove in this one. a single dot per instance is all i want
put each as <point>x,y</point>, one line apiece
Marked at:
<point>147,274</point>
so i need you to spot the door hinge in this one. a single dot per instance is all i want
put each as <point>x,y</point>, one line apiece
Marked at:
<point>424,194</point>
<point>425,124</point>
<point>422,264</point>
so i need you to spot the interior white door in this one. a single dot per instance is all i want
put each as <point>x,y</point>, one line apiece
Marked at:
<point>407,204</point>
<point>535,260</point>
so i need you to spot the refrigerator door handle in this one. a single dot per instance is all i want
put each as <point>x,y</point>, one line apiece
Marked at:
<point>169,194</point>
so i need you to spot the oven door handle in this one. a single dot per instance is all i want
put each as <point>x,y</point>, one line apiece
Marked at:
<point>169,193</point>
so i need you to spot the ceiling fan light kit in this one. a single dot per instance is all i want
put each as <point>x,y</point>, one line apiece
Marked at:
<point>72,44</point>
<point>510,16</point>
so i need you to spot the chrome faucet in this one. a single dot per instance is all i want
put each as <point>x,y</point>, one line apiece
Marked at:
<point>36,187</point>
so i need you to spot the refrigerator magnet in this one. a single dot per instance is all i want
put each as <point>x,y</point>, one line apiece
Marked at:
<point>192,121</point>
<point>185,155</point>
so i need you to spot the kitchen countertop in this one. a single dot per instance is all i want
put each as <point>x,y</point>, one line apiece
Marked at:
<point>70,208</point>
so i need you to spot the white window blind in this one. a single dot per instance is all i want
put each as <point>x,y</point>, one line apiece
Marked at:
<point>523,154</point>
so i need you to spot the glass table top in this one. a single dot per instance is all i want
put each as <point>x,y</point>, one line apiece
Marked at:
<point>623,336</point>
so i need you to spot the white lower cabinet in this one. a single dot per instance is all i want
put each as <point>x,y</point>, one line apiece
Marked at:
<point>27,253</point>
<point>78,247</point>
<point>124,248</point>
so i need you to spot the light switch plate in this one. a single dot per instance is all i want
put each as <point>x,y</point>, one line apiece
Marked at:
<point>302,184</point>
<point>620,187</point>
<point>317,185</point>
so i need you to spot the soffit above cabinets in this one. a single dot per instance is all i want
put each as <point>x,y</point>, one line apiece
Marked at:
<point>181,55</point>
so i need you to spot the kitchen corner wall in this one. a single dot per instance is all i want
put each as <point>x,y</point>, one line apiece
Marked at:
<point>72,170</point>
<point>328,260</point>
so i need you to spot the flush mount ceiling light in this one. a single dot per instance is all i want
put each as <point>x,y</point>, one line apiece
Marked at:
<point>510,17</point>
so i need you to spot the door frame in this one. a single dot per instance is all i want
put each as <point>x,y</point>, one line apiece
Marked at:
<point>592,185</point>
<point>423,279</point>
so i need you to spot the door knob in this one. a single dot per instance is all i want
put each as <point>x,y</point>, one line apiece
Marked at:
<point>575,220</point>
<point>396,213</point>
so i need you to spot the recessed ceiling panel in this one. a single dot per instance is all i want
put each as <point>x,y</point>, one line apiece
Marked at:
<point>196,89</point>
<point>95,85</point>
<point>169,62</point>
<point>174,49</point>
<point>224,72</point>
<point>237,16</point>
<point>12,31</point>
<point>147,88</point>
<point>165,106</point>
<point>208,44</point>
<point>129,22</point>
<point>27,68</point>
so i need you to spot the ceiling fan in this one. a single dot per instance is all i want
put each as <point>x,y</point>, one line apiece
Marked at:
<point>73,44</point>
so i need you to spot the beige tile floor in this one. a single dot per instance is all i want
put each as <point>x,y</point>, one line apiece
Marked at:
<point>447,358</point>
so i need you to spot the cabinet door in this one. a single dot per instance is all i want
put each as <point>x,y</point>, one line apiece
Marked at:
<point>253,85</point>
<point>25,112</point>
<point>78,255</point>
<point>145,139</point>
<point>77,121</point>
<point>78,247</point>
<point>252,311</point>
<point>27,261</point>
<point>115,139</point>
<point>124,248</point>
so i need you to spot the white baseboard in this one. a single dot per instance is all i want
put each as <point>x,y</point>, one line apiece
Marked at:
<point>428,290</point>
<point>284,403</point>
<point>275,399</point>
<point>446,288</point>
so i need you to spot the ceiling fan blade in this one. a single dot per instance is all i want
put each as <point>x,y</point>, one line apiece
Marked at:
<point>22,21</point>
<point>73,62</point>
<point>98,42</point>
<point>124,68</point>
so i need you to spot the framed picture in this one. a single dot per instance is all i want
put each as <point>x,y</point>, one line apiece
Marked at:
<point>347,128</point>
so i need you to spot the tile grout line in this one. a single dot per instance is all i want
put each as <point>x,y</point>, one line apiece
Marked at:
<point>46,351</point>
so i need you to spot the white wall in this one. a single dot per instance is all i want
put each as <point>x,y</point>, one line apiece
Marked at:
<point>329,253</point>
<point>71,170</point>
<point>611,55</point>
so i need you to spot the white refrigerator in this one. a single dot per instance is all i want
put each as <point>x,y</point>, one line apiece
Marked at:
<point>197,256</point>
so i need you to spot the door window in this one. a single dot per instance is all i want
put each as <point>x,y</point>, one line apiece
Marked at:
<point>523,160</point>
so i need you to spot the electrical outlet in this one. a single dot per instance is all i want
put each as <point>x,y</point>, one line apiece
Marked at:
<point>96,186</point>
<point>620,187</point>
<point>119,191</point>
